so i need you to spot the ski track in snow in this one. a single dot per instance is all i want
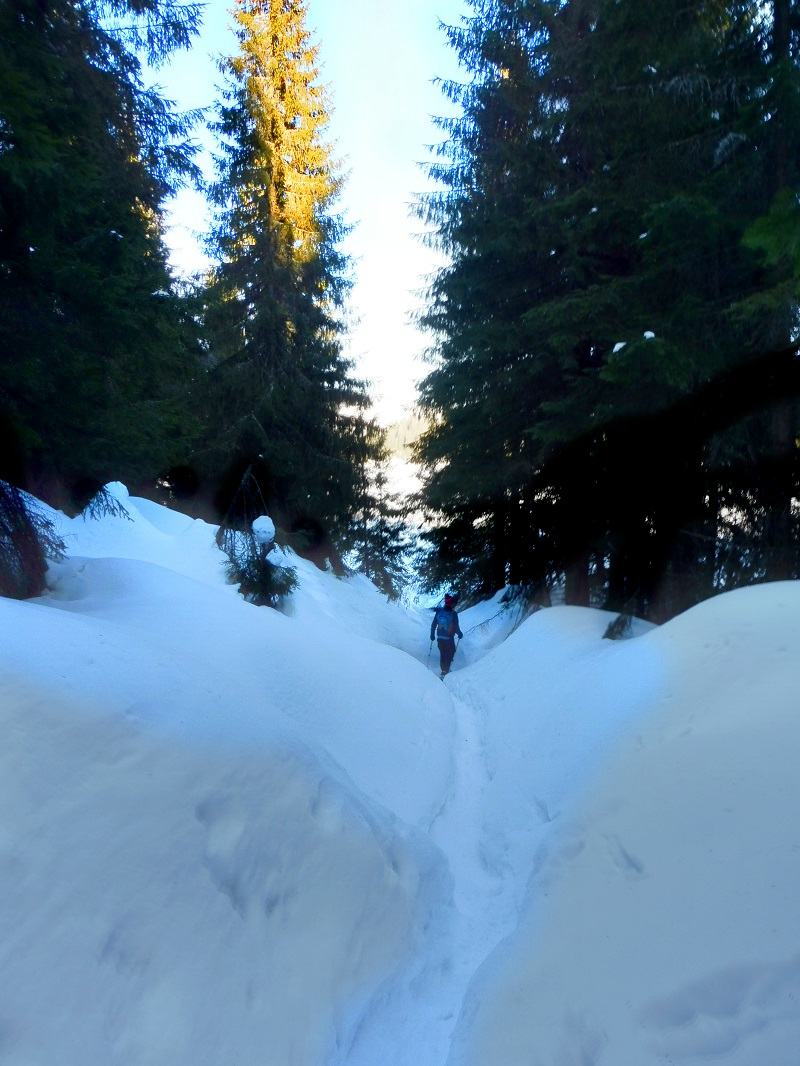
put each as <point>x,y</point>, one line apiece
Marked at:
<point>488,889</point>
<point>499,822</point>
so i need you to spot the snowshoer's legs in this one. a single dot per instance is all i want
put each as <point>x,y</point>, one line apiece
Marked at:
<point>447,649</point>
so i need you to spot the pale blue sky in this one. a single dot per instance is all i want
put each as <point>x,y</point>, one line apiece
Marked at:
<point>378,62</point>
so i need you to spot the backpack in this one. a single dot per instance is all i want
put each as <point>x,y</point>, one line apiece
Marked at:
<point>445,624</point>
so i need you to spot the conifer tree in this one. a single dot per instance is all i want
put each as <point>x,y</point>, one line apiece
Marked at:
<point>609,160</point>
<point>644,91</point>
<point>382,542</point>
<point>475,452</point>
<point>93,340</point>
<point>706,171</point>
<point>769,167</point>
<point>279,386</point>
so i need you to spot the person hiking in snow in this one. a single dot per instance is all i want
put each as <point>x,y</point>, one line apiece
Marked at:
<point>445,628</point>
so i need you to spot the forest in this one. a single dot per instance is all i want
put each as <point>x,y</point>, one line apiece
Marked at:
<point>229,393</point>
<point>611,412</point>
<point>613,402</point>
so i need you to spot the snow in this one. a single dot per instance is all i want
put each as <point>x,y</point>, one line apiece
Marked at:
<point>664,927</point>
<point>264,530</point>
<point>231,835</point>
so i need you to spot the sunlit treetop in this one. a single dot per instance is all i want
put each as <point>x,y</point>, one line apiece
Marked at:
<point>275,91</point>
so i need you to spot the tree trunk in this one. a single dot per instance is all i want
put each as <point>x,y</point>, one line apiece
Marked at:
<point>576,587</point>
<point>783,429</point>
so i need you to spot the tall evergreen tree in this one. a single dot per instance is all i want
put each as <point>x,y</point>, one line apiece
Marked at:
<point>93,342</point>
<point>609,159</point>
<point>279,384</point>
<point>691,157</point>
<point>477,458</point>
<point>652,258</point>
<point>767,314</point>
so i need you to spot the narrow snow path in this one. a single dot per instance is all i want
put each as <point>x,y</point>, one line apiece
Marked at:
<point>488,886</point>
<point>413,1025</point>
<point>516,756</point>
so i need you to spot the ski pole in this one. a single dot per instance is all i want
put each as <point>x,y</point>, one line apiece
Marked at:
<point>430,649</point>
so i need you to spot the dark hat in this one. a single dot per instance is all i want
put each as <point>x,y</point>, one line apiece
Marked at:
<point>449,600</point>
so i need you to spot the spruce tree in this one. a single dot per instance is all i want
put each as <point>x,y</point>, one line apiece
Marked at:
<point>475,453</point>
<point>766,314</point>
<point>644,91</point>
<point>94,344</point>
<point>601,307</point>
<point>279,386</point>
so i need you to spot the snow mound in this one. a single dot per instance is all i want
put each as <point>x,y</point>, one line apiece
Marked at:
<point>146,532</point>
<point>665,926</point>
<point>231,835</point>
<point>213,831</point>
<point>149,889</point>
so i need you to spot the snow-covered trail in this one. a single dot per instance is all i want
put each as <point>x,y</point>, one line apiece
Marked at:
<point>487,887</point>
<point>517,761</point>
<point>414,1026</point>
<point>418,807</point>
<point>233,835</point>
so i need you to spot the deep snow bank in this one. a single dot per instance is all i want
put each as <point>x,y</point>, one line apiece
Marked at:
<point>229,835</point>
<point>206,855</point>
<point>146,621</point>
<point>666,925</point>
<point>548,703</point>
<point>169,904</point>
